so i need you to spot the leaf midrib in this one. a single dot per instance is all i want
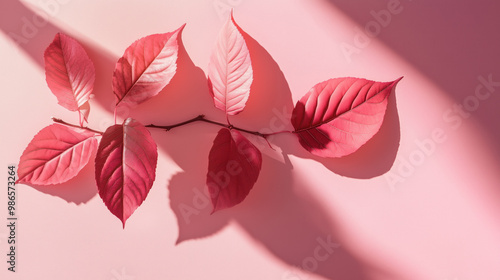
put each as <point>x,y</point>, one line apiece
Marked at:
<point>144,71</point>
<point>337,116</point>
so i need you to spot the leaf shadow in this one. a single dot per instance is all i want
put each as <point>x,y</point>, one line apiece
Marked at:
<point>270,96</point>
<point>271,113</point>
<point>279,214</point>
<point>78,190</point>
<point>185,97</point>
<point>286,222</point>
<point>287,218</point>
<point>375,158</point>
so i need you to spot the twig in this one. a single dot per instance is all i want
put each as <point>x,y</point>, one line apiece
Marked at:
<point>56,120</point>
<point>201,118</point>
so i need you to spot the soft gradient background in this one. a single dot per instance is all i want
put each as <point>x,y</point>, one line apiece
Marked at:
<point>403,207</point>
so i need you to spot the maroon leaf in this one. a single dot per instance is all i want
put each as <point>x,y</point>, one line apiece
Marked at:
<point>69,72</point>
<point>338,116</point>
<point>146,67</point>
<point>125,167</point>
<point>233,168</point>
<point>56,154</point>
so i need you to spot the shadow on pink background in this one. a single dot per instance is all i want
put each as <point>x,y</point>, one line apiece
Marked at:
<point>287,229</point>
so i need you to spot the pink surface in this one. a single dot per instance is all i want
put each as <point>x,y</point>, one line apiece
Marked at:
<point>427,208</point>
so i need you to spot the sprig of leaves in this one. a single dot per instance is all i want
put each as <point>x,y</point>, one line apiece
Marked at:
<point>335,118</point>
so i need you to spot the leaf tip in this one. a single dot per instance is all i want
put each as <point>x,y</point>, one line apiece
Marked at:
<point>231,18</point>
<point>216,207</point>
<point>180,29</point>
<point>395,82</point>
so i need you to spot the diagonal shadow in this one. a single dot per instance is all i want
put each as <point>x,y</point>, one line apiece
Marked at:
<point>287,223</point>
<point>452,43</point>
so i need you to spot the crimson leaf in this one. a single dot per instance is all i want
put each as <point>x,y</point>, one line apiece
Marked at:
<point>233,168</point>
<point>338,116</point>
<point>125,167</point>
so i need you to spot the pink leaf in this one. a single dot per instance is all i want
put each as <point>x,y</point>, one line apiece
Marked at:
<point>230,73</point>
<point>233,168</point>
<point>69,72</point>
<point>56,154</point>
<point>146,67</point>
<point>338,116</point>
<point>125,167</point>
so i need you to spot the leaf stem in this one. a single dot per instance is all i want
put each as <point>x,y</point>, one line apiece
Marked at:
<point>280,132</point>
<point>80,118</point>
<point>114,112</point>
<point>201,118</point>
<point>56,120</point>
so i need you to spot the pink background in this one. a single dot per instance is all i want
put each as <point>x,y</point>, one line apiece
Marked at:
<point>440,221</point>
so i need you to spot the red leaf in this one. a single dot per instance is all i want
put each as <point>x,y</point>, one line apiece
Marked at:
<point>146,67</point>
<point>125,167</point>
<point>56,154</point>
<point>338,116</point>
<point>69,72</point>
<point>230,73</point>
<point>233,168</point>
